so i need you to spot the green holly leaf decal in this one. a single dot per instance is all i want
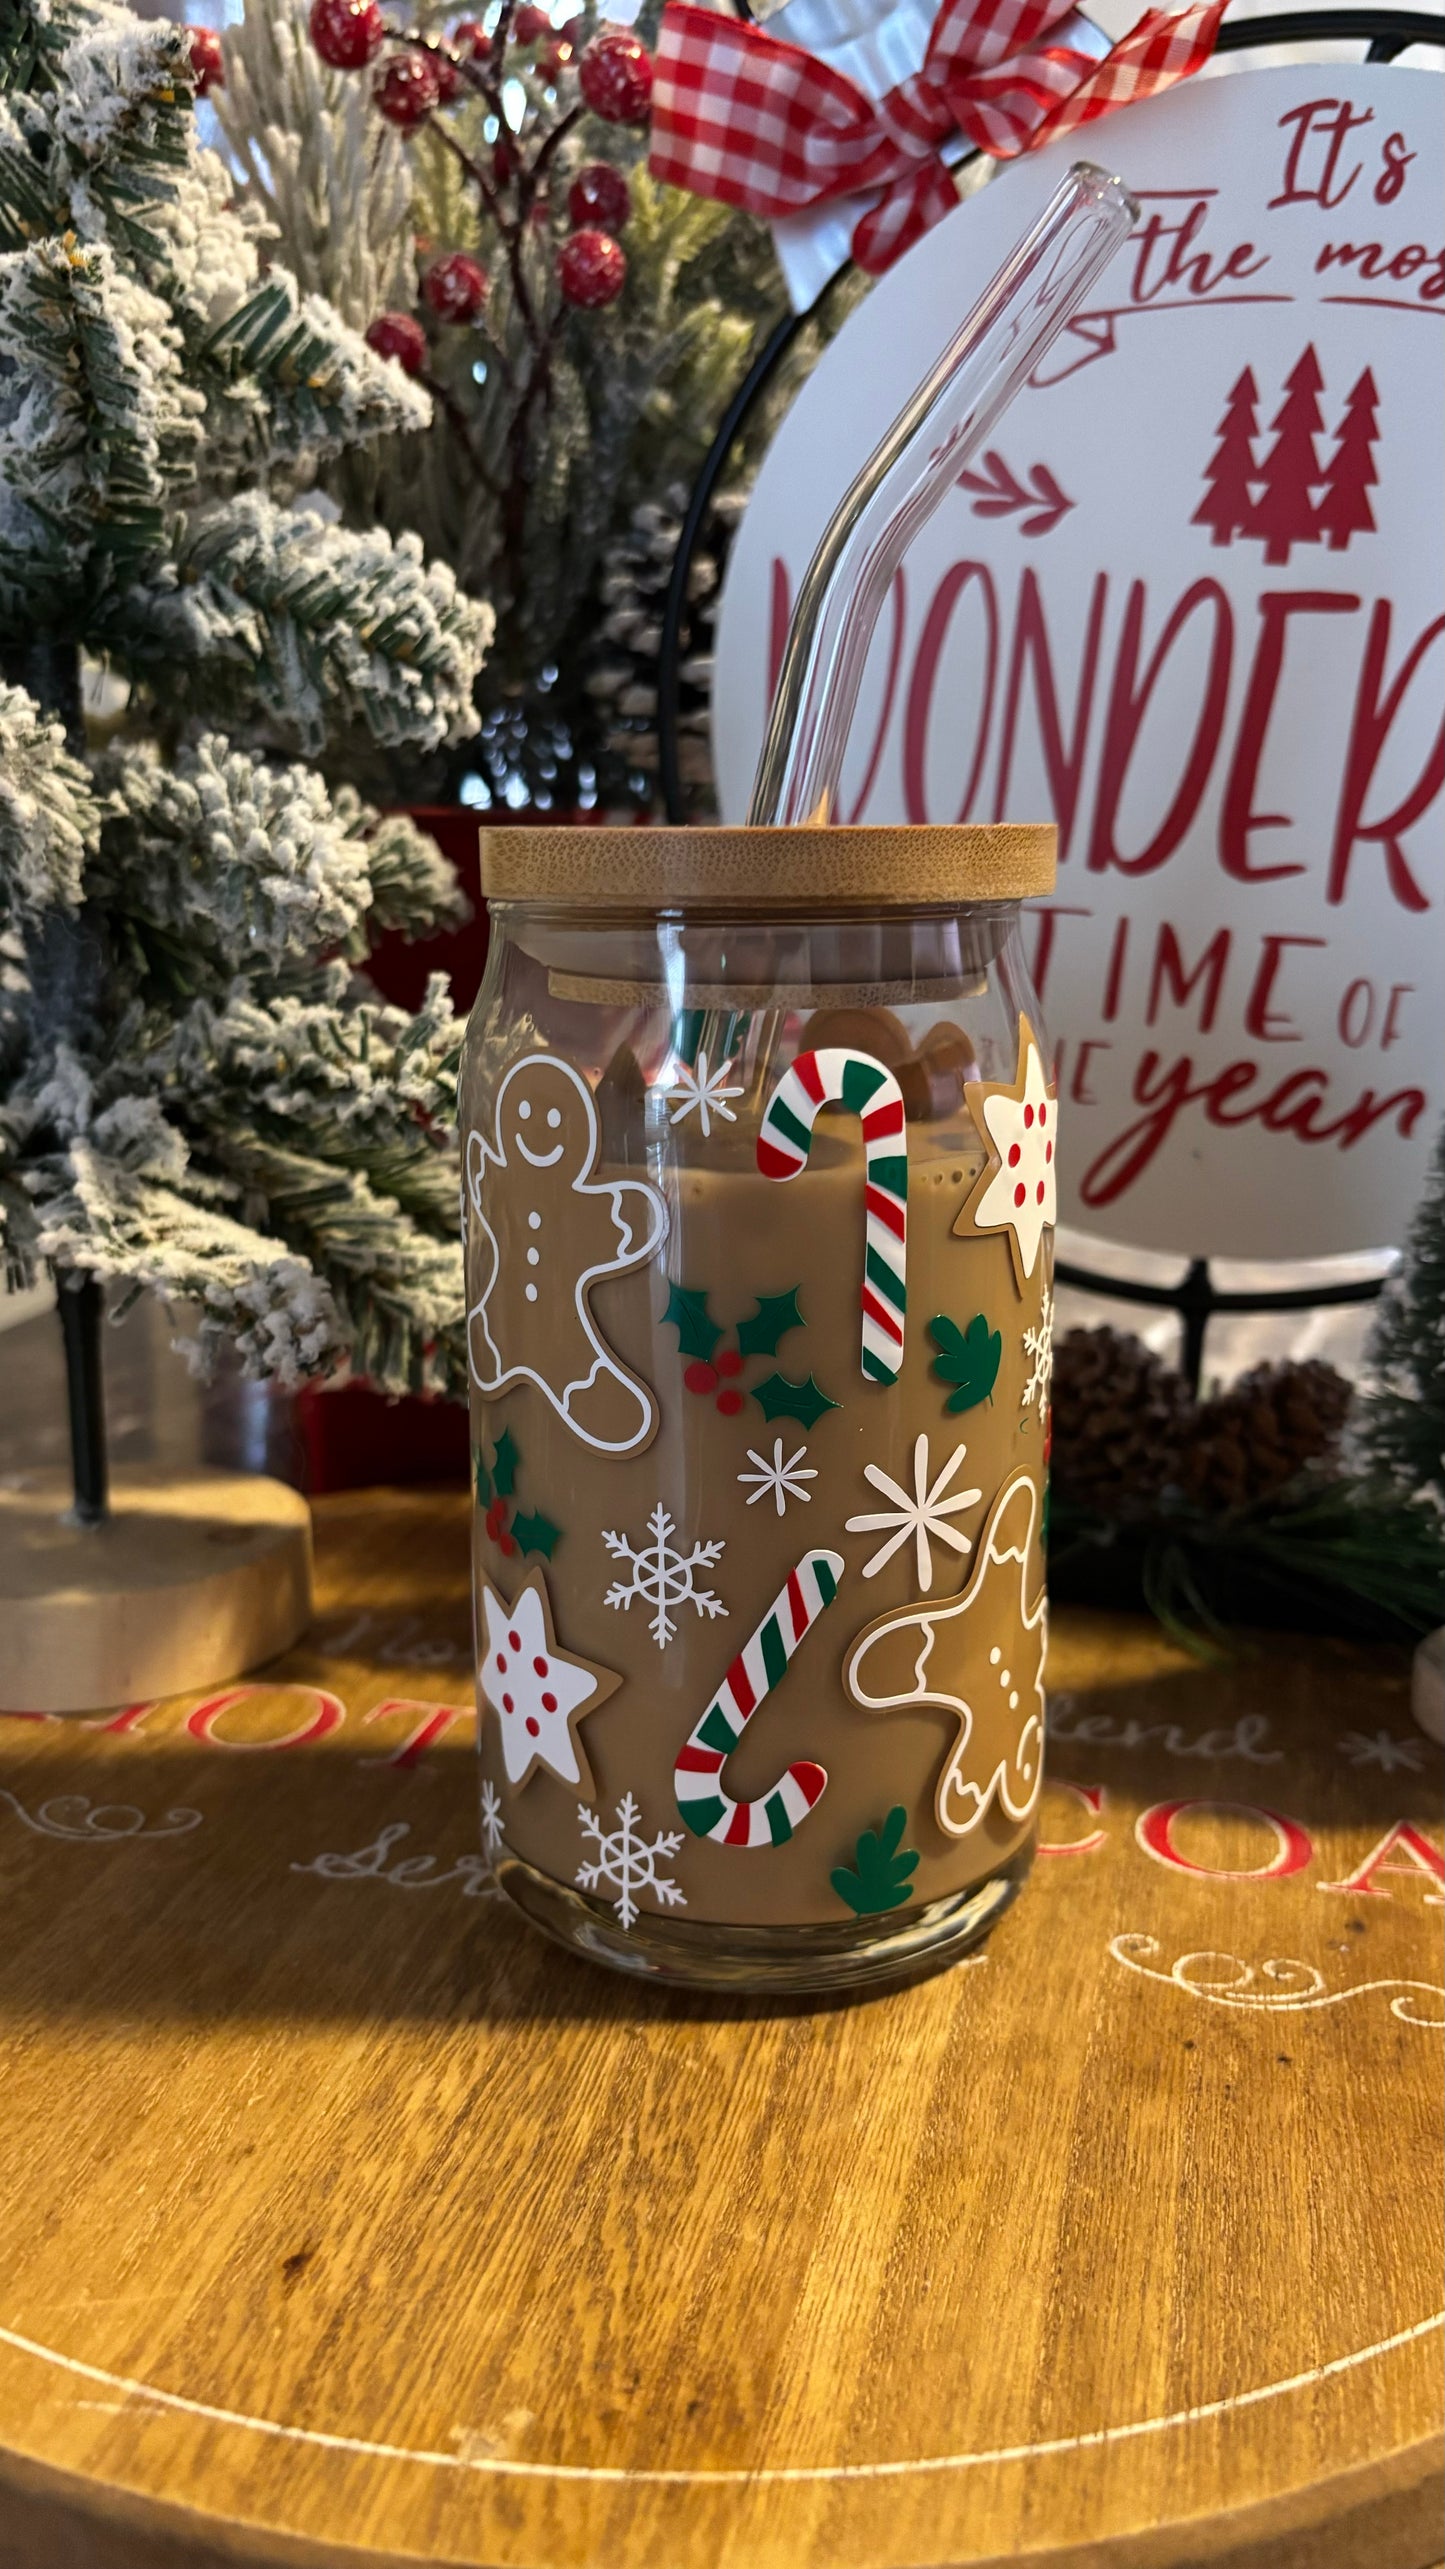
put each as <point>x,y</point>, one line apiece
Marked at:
<point>697,1335</point>
<point>536,1534</point>
<point>776,1314</point>
<point>968,1357</point>
<point>483,1480</point>
<point>878,1877</point>
<point>778,1398</point>
<point>505,1459</point>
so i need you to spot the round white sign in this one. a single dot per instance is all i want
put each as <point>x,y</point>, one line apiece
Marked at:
<point>1189,603</point>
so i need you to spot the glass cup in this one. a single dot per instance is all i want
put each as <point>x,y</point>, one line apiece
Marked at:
<point>758,1134</point>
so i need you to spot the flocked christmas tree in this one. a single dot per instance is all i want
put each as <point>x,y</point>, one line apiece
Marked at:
<point>1402,1414</point>
<point>197,1092</point>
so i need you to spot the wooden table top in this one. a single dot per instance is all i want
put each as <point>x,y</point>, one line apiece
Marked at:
<point>342,2220</point>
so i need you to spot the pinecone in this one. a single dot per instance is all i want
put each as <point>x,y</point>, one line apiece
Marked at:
<point>1119,1417</point>
<point>636,569</point>
<point>1247,1442</point>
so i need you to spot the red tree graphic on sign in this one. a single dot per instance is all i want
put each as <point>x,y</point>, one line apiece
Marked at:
<point>1284,513</point>
<point>1350,476</point>
<point>1226,505</point>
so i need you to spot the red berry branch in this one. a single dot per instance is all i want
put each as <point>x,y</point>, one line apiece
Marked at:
<point>436,85</point>
<point>207,61</point>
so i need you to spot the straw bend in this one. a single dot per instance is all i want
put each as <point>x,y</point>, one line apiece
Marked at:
<point>1039,287</point>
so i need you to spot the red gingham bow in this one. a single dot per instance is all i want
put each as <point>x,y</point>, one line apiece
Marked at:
<point>740,116</point>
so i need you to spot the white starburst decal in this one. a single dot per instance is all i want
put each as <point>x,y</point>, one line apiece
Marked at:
<point>702,1088</point>
<point>491,1821</point>
<point>922,1513</point>
<point>662,1576</point>
<point>1381,1750</point>
<point>1039,1350</point>
<point>778,1480</point>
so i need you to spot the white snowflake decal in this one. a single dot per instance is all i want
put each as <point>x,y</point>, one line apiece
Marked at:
<point>703,1089</point>
<point>778,1480</point>
<point>662,1576</point>
<point>627,1862</point>
<point>923,1513</point>
<point>1039,1350</point>
<point>491,1821</point>
<point>1382,1751</point>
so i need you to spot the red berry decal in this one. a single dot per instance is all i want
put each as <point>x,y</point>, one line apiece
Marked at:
<point>406,88</point>
<point>599,198</point>
<point>700,1377</point>
<point>399,336</point>
<point>206,59</point>
<point>591,269</point>
<point>456,287</point>
<point>615,72</point>
<point>729,1403</point>
<point>728,1361</point>
<point>348,34</point>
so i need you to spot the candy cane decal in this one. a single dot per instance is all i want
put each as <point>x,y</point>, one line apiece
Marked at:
<point>837,1077</point>
<point>697,1777</point>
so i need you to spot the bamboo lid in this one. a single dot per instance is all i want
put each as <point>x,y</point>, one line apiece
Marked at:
<point>899,868</point>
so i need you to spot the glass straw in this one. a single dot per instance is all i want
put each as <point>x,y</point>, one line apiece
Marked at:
<point>1040,285</point>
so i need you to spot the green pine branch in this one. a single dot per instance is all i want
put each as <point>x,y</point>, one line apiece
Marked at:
<point>49,821</point>
<point>286,381</point>
<point>107,434</point>
<point>278,617</point>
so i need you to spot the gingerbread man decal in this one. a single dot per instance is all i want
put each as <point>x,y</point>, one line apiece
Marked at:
<point>549,1231</point>
<point>979,1655</point>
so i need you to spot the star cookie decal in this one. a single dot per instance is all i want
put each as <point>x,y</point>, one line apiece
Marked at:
<point>538,1692</point>
<point>1017,1192</point>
